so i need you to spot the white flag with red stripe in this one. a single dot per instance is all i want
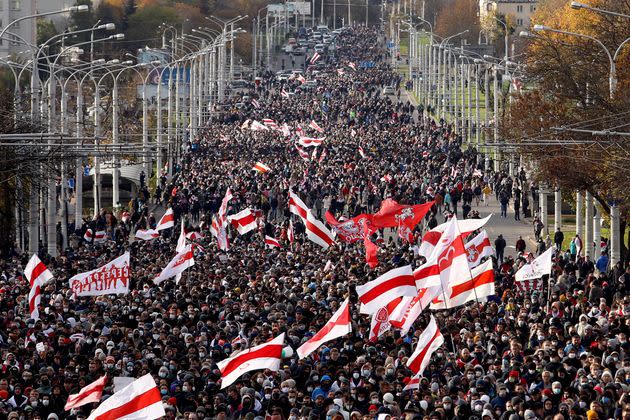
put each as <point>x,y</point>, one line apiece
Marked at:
<point>378,293</point>
<point>315,230</point>
<point>146,234</point>
<point>340,72</point>
<point>181,241</point>
<point>178,264</point>
<point>301,78</point>
<point>315,126</point>
<point>414,383</point>
<point>272,242</point>
<point>405,314</point>
<point>337,326</point>
<point>255,103</point>
<point>477,289</point>
<point>256,126</point>
<point>303,153</point>
<point>37,275</point>
<point>380,319</point>
<point>291,232</point>
<point>244,221</point>
<point>314,58</point>
<point>284,94</point>
<point>310,141</point>
<point>263,356</point>
<point>432,237</point>
<point>429,341</point>
<point>167,220</point>
<point>478,248</point>
<point>352,66</point>
<point>451,257</point>
<point>270,123</point>
<point>362,152</point>
<point>88,394</point>
<point>536,269</point>
<point>140,400</point>
<point>261,168</point>
<point>99,236</point>
<point>194,235</point>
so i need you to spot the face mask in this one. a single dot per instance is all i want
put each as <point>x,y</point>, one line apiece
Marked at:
<point>557,390</point>
<point>260,381</point>
<point>582,404</point>
<point>164,391</point>
<point>478,408</point>
<point>267,396</point>
<point>185,388</point>
<point>447,406</point>
<point>470,376</point>
<point>572,355</point>
<point>374,401</point>
<point>109,366</point>
<point>162,374</point>
<point>504,338</point>
<point>493,352</point>
<point>45,403</point>
<point>360,399</point>
<point>356,375</point>
<point>478,374</point>
<point>366,373</point>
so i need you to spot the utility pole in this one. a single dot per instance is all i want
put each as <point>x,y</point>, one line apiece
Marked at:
<point>367,14</point>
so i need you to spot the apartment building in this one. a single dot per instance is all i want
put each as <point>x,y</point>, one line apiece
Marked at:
<point>519,12</point>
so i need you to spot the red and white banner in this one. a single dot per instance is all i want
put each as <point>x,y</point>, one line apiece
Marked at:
<point>284,94</point>
<point>526,287</point>
<point>270,123</point>
<point>536,269</point>
<point>315,126</point>
<point>110,279</point>
<point>378,293</point>
<point>37,275</point>
<point>322,155</point>
<point>167,220</point>
<point>310,141</point>
<point>255,103</point>
<point>451,257</point>
<point>380,319</point>
<point>88,394</point>
<point>244,221</point>
<point>414,383</point>
<point>194,235</point>
<point>337,326</point>
<point>478,248</point>
<point>340,72</point>
<point>393,214</point>
<point>477,289</point>
<point>432,237</point>
<point>261,168</point>
<point>351,230</point>
<point>181,262</point>
<point>352,66</point>
<point>301,79</point>
<point>291,232</point>
<point>405,314</point>
<point>303,153</point>
<point>315,230</point>
<point>314,58</point>
<point>181,241</point>
<point>99,236</point>
<point>147,234</point>
<point>272,242</point>
<point>362,152</point>
<point>429,341</point>
<point>256,126</point>
<point>140,399</point>
<point>263,356</point>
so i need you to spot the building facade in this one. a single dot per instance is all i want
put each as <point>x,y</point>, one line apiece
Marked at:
<point>10,10</point>
<point>519,12</point>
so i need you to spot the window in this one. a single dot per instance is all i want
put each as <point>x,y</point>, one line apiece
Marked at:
<point>14,40</point>
<point>519,8</point>
<point>16,5</point>
<point>532,8</point>
<point>519,22</point>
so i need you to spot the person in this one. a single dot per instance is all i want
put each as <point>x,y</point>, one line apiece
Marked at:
<point>540,246</point>
<point>504,200</point>
<point>486,194</point>
<point>558,238</point>
<point>517,208</point>
<point>520,245</point>
<point>576,246</point>
<point>538,227</point>
<point>499,246</point>
<point>602,263</point>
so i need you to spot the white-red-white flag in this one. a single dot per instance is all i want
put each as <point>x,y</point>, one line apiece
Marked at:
<point>256,126</point>
<point>181,241</point>
<point>451,257</point>
<point>194,235</point>
<point>352,66</point>
<point>362,152</point>
<point>414,383</point>
<point>261,168</point>
<point>340,72</point>
<point>389,286</point>
<point>291,232</point>
<point>37,275</point>
<point>303,153</point>
<point>315,126</point>
<point>380,319</point>
<point>178,264</point>
<point>270,123</point>
<point>478,248</point>
<point>245,125</point>
<point>322,155</point>
<point>429,341</point>
<point>477,289</point>
<point>284,94</point>
<point>99,236</point>
<point>272,242</point>
<point>166,221</point>
<point>217,229</point>
<point>432,237</point>
<point>337,326</point>
<point>255,103</point>
<point>146,234</point>
<point>317,232</point>
<point>140,400</point>
<point>263,356</point>
<point>244,221</point>
<point>314,58</point>
<point>405,314</point>
<point>310,141</point>
<point>88,394</point>
<point>301,79</point>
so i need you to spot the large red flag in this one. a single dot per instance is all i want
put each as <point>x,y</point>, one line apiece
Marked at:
<point>393,214</point>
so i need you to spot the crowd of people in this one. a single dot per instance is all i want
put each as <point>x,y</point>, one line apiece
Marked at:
<point>560,352</point>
